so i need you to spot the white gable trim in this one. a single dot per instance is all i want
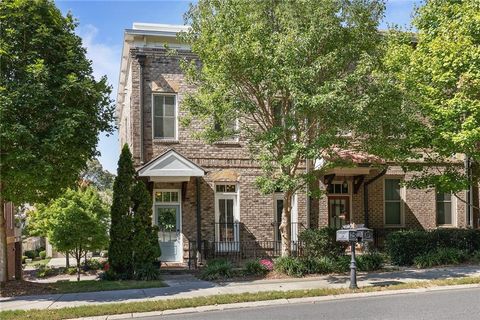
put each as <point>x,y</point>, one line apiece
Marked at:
<point>168,165</point>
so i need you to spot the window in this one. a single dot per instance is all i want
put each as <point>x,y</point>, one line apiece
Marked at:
<point>444,209</point>
<point>338,188</point>
<point>166,196</point>
<point>164,117</point>
<point>393,203</point>
<point>230,129</point>
<point>226,217</point>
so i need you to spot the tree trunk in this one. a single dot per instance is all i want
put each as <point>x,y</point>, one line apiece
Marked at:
<point>285,226</point>
<point>67,259</point>
<point>3,243</point>
<point>78,257</point>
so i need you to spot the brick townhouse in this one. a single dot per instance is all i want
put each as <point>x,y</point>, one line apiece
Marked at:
<point>205,193</point>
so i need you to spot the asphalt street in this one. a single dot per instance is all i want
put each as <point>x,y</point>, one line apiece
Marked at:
<point>434,305</point>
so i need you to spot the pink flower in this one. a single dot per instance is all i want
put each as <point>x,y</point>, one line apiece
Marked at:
<point>267,264</point>
<point>106,266</point>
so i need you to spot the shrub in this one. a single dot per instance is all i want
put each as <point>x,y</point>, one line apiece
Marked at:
<point>342,264</point>
<point>92,264</point>
<point>147,272</point>
<point>370,261</point>
<point>441,256</point>
<point>109,275</point>
<point>255,268</point>
<point>42,254</point>
<point>70,271</point>
<point>217,268</point>
<point>267,263</point>
<point>321,242</point>
<point>31,254</point>
<point>404,246</point>
<point>475,257</point>
<point>44,271</point>
<point>291,266</point>
<point>24,258</point>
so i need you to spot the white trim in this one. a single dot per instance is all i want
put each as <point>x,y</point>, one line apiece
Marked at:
<point>164,94</point>
<point>454,212</point>
<point>235,196</point>
<point>180,225</point>
<point>403,198</point>
<point>187,169</point>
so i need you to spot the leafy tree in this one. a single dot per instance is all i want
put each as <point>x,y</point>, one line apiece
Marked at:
<point>102,179</point>
<point>120,250</point>
<point>304,80</point>
<point>146,248</point>
<point>76,222</point>
<point>51,107</point>
<point>441,78</point>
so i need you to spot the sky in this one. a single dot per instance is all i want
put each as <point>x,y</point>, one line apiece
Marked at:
<point>101,26</point>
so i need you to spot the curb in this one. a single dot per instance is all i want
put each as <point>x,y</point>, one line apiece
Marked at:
<point>265,303</point>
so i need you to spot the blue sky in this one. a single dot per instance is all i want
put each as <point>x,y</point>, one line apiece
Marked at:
<point>101,25</point>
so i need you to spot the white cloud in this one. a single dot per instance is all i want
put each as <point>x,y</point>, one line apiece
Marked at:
<point>105,58</point>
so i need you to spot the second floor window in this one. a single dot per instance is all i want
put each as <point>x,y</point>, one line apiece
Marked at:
<point>164,117</point>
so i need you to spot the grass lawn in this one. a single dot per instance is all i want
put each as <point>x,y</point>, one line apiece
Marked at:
<point>160,305</point>
<point>21,288</point>
<point>41,262</point>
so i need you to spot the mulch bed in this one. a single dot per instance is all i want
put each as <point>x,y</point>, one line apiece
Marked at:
<point>22,287</point>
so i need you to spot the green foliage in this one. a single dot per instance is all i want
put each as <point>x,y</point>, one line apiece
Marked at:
<point>404,246</point>
<point>31,254</point>
<point>146,248</point>
<point>120,251</point>
<point>100,178</point>
<point>147,272</point>
<point>42,254</point>
<point>255,268</point>
<point>321,242</point>
<point>440,77</point>
<point>440,256</point>
<point>44,271</point>
<point>24,258</point>
<point>51,104</point>
<point>92,264</point>
<point>370,261</point>
<point>290,265</point>
<point>217,269</point>
<point>291,82</point>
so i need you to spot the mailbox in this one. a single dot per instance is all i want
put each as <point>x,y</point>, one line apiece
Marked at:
<point>346,235</point>
<point>364,234</point>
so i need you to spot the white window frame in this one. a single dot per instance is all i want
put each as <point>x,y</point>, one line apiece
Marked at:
<point>161,94</point>
<point>227,246</point>
<point>402,201</point>
<point>454,212</point>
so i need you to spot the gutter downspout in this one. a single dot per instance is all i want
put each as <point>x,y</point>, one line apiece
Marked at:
<point>141,61</point>
<point>365,194</point>
<point>469,193</point>
<point>199,220</point>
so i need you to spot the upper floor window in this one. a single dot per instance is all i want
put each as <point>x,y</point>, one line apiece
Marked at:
<point>338,188</point>
<point>164,116</point>
<point>230,128</point>
<point>444,209</point>
<point>393,203</point>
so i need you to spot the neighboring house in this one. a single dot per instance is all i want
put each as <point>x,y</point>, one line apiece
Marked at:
<point>14,243</point>
<point>207,193</point>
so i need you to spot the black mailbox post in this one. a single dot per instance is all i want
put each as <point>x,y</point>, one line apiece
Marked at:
<point>352,234</point>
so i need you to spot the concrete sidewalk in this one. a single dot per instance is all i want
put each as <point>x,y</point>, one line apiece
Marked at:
<point>186,286</point>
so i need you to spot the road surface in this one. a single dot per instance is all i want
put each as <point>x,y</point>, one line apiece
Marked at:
<point>453,304</point>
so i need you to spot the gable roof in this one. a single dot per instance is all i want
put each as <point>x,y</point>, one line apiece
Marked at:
<point>171,164</point>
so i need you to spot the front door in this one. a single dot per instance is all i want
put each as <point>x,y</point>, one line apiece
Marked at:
<point>168,222</point>
<point>338,211</point>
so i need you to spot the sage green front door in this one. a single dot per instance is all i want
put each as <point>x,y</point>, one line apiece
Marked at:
<point>168,221</point>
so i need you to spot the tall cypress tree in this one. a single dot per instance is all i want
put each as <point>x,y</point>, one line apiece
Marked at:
<point>146,249</point>
<point>120,251</point>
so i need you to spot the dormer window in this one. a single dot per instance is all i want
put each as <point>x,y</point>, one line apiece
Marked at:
<point>164,116</point>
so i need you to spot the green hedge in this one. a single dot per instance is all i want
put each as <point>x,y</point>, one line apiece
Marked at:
<point>321,243</point>
<point>404,246</point>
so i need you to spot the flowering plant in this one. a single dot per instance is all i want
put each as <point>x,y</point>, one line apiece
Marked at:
<point>267,264</point>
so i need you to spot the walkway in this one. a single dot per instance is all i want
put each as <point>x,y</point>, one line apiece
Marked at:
<point>187,286</point>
